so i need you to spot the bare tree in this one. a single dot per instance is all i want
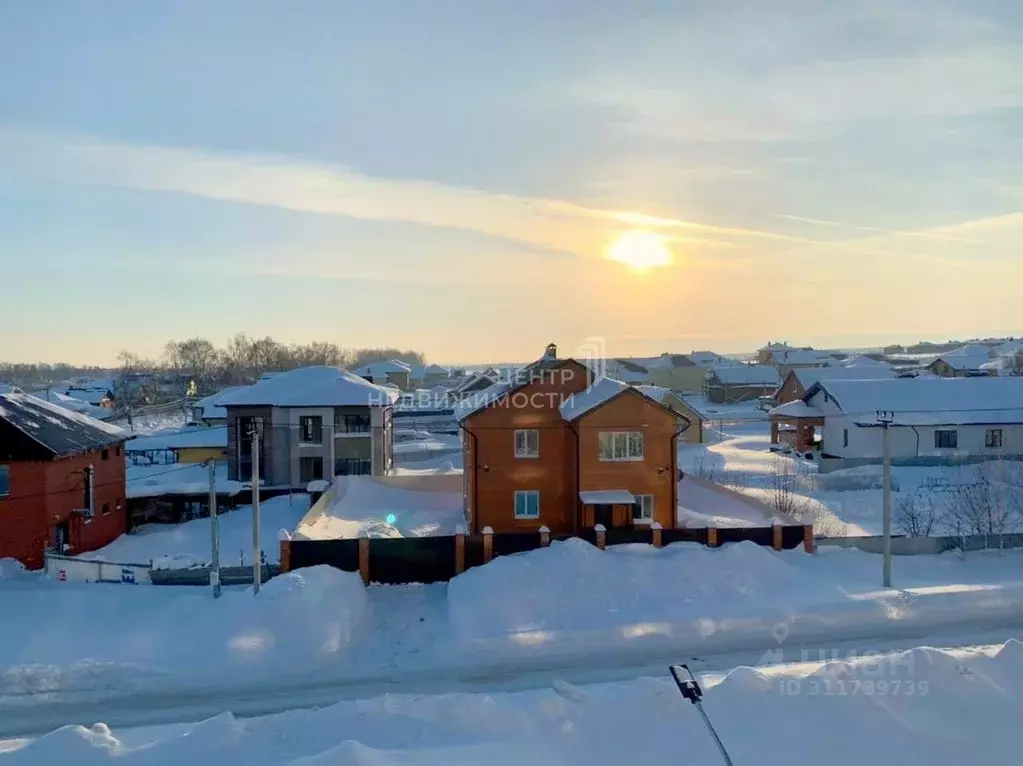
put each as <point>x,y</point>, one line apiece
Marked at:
<point>785,499</point>
<point>917,514</point>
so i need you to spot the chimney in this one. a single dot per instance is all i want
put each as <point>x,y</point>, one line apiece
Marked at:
<point>551,352</point>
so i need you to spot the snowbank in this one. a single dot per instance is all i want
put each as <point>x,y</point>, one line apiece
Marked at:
<point>920,707</point>
<point>571,597</point>
<point>190,541</point>
<point>126,636</point>
<point>412,505</point>
<point>10,568</point>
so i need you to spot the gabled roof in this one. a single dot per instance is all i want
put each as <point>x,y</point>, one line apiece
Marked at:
<point>57,430</point>
<point>968,357</point>
<point>477,381</point>
<point>604,390</point>
<point>666,396</point>
<point>927,401</point>
<point>807,376</point>
<point>70,403</point>
<point>390,367</point>
<point>89,395</point>
<point>746,375</point>
<point>313,387</point>
<point>708,358</point>
<point>501,388</point>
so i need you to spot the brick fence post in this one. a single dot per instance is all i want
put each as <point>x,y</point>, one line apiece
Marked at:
<point>712,537</point>
<point>776,533</point>
<point>459,549</point>
<point>488,544</point>
<point>545,537</point>
<point>808,538</point>
<point>655,534</point>
<point>601,535</point>
<point>364,558</point>
<point>285,556</point>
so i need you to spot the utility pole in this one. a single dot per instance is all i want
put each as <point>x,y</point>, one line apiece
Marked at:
<point>257,563</point>
<point>214,530</point>
<point>885,418</point>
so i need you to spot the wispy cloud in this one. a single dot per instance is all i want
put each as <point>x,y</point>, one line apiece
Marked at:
<point>300,185</point>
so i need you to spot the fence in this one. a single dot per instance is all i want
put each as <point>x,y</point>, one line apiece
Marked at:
<point>68,569</point>
<point>395,561</point>
<point>915,546</point>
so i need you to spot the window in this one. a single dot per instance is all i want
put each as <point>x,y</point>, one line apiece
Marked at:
<point>527,504</point>
<point>993,438</point>
<point>351,424</point>
<point>643,510</point>
<point>946,439</point>
<point>106,509</point>
<point>5,481</point>
<point>620,445</point>
<point>117,451</point>
<point>310,469</point>
<point>104,455</point>
<point>310,429</point>
<point>527,443</point>
<point>845,437</point>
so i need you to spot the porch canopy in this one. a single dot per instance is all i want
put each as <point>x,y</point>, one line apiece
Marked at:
<point>607,497</point>
<point>802,418</point>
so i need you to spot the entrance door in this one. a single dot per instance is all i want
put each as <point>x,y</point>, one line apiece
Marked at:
<point>603,514</point>
<point>63,537</point>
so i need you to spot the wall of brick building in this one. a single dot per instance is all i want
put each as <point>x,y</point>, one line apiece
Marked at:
<point>43,496</point>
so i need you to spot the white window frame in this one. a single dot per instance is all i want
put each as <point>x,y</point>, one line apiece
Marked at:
<point>646,503</point>
<point>527,495</point>
<point>989,437</point>
<point>522,447</point>
<point>620,446</point>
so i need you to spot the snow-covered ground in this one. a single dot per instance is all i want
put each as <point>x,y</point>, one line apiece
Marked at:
<point>190,541</point>
<point>148,424</point>
<point>566,605</point>
<point>925,706</point>
<point>420,505</point>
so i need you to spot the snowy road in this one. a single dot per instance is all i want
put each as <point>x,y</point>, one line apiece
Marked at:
<point>133,710</point>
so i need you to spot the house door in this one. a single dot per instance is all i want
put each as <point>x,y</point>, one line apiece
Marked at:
<point>62,537</point>
<point>603,514</point>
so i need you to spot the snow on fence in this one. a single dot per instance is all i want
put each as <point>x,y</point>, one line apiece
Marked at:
<point>69,569</point>
<point>405,560</point>
<point>916,546</point>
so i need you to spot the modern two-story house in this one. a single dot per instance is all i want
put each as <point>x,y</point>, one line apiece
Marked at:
<point>557,447</point>
<point>315,423</point>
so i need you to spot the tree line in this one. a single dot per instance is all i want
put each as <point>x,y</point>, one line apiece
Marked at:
<point>242,360</point>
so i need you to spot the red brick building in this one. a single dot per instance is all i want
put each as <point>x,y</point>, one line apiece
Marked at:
<point>562,448</point>
<point>62,480</point>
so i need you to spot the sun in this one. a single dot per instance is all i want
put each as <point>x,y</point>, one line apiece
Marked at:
<point>640,250</point>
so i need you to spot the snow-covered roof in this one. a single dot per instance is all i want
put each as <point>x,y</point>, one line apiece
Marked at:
<point>89,395</point>
<point>1008,348</point>
<point>928,401</point>
<point>807,376</point>
<point>801,356</point>
<point>475,402</point>
<point>607,497</point>
<point>858,360</point>
<point>626,370</point>
<point>603,390</point>
<point>57,429</point>
<point>190,437</point>
<point>796,409</point>
<point>709,358</point>
<point>969,357</point>
<point>746,375</point>
<point>70,403</point>
<point>213,405</point>
<point>314,387</point>
<point>389,367</point>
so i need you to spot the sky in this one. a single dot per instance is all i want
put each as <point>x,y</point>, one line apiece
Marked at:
<point>451,176</point>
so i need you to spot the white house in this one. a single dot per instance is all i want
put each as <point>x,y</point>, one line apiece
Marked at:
<point>935,421</point>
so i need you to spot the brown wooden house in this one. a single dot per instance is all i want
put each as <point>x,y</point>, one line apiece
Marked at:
<point>556,448</point>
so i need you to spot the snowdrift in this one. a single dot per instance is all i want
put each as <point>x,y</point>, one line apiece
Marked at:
<point>920,707</point>
<point>572,597</point>
<point>301,619</point>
